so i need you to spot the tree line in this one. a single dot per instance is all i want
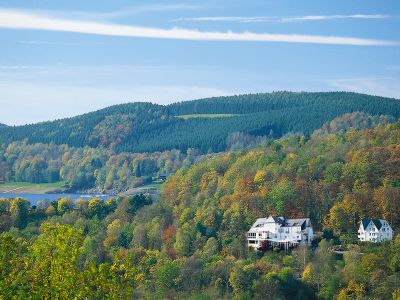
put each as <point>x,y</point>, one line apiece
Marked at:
<point>146,127</point>
<point>85,168</point>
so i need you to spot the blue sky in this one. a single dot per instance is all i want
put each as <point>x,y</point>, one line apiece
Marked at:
<point>59,59</point>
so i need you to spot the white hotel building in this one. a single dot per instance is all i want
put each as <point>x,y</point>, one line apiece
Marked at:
<point>280,232</point>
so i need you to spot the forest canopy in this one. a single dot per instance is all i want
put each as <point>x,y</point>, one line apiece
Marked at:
<point>147,127</point>
<point>191,243</point>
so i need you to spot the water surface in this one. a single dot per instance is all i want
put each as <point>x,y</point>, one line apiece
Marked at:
<point>34,198</point>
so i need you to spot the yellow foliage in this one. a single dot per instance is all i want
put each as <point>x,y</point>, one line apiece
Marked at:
<point>306,276</point>
<point>353,291</point>
<point>260,177</point>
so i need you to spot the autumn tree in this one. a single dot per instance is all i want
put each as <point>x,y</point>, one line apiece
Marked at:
<point>54,272</point>
<point>19,212</point>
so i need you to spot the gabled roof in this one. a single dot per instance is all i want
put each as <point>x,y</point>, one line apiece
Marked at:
<point>376,222</point>
<point>295,222</point>
<point>365,223</point>
<point>275,219</point>
<point>279,220</point>
<point>284,223</point>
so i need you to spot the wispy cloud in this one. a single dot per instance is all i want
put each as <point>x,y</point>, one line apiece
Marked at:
<point>125,12</point>
<point>15,19</point>
<point>54,43</point>
<point>146,9</point>
<point>332,17</point>
<point>266,19</point>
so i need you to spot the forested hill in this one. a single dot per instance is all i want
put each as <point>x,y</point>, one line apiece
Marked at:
<point>190,243</point>
<point>2,125</point>
<point>206,124</point>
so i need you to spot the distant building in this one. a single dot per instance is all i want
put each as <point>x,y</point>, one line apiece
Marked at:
<point>375,230</point>
<point>162,177</point>
<point>280,232</point>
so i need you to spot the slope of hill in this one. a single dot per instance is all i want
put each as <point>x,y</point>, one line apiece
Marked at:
<point>146,127</point>
<point>356,171</point>
<point>190,244</point>
<point>3,125</point>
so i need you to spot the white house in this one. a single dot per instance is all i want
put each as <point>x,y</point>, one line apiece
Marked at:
<point>375,230</point>
<point>280,232</point>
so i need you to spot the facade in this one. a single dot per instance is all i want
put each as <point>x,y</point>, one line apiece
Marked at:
<point>375,230</point>
<point>280,232</point>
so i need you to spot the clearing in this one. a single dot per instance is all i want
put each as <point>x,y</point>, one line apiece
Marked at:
<point>30,188</point>
<point>209,116</point>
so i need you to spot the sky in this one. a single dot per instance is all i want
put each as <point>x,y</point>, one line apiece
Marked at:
<point>63,58</point>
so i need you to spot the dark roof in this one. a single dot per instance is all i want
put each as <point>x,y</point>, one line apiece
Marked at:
<point>365,223</point>
<point>377,223</point>
<point>278,220</point>
<point>295,222</point>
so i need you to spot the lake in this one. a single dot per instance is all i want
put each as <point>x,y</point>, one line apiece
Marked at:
<point>34,198</point>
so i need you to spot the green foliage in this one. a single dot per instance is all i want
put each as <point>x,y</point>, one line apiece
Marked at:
<point>190,244</point>
<point>283,192</point>
<point>19,212</point>
<point>136,202</point>
<point>12,267</point>
<point>54,272</point>
<point>146,127</point>
<point>64,205</point>
<point>83,168</point>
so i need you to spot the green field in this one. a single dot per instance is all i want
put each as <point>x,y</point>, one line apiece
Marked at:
<point>30,188</point>
<point>206,116</point>
<point>154,185</point>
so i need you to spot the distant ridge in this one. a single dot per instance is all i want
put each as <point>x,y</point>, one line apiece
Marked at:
<point>147,127</point>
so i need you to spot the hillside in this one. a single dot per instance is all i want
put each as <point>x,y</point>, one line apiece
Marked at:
<point>103,170</point>
<point>146,127</point>
<point>191,243</point>
<point>354,172</point>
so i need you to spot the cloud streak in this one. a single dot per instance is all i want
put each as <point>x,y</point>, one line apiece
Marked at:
<point>15,19</point>
<point>333,17</point>
<point>126,12</point>
<point>265,19</point>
